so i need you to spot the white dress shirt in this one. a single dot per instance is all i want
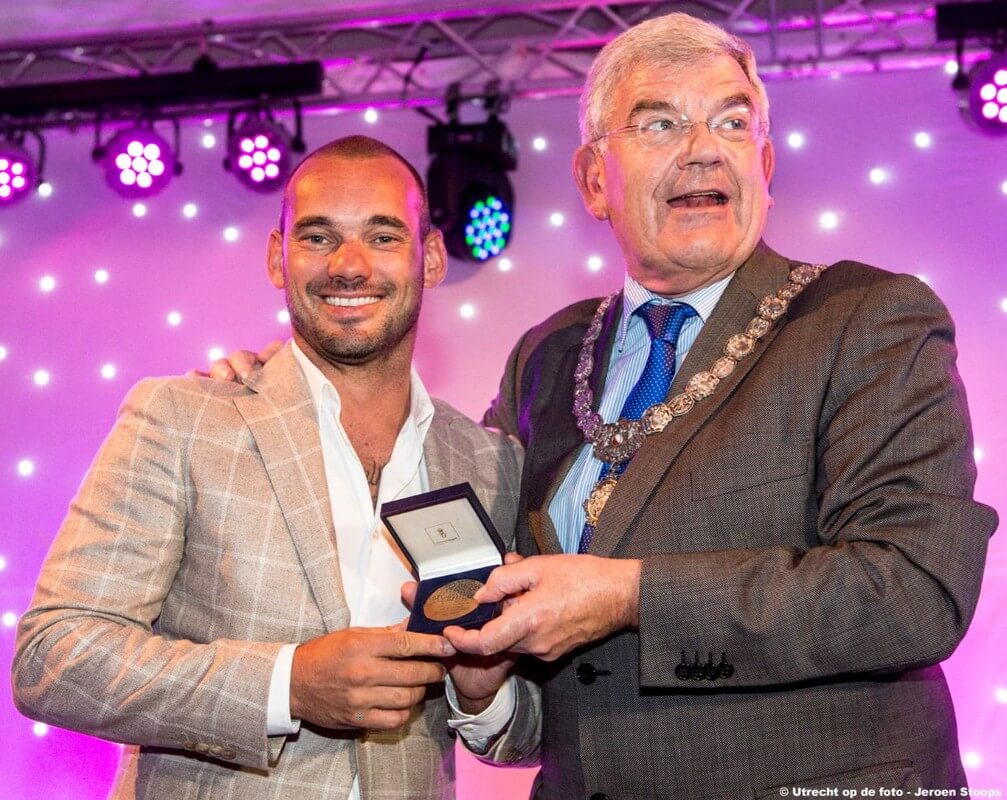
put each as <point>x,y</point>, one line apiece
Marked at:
<point>371,565</point>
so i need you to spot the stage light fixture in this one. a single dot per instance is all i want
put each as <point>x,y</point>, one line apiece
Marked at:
<point>138,161</point>
<point>987,95</point>
<point>982,91</point>
<point>259,148</point>
<point>471,197</point>
<point>19,170</point>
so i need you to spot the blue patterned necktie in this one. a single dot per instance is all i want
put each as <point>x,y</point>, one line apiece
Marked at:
<point>664,323</point>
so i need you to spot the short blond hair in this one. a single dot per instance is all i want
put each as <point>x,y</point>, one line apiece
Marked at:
<point>677,40</point>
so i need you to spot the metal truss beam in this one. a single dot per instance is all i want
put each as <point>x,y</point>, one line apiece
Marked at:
<point>400,58</point>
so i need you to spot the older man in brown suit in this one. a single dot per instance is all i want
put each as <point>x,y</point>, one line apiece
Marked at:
<point>746,501</point>
<point>218,595</point>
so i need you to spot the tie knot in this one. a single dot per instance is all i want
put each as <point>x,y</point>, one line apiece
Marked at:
<point>664,321</point>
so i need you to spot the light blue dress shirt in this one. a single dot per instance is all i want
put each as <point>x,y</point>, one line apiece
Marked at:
<point>625,366</point>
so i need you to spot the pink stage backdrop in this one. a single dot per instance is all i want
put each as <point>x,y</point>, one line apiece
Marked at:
<point>97,293</point>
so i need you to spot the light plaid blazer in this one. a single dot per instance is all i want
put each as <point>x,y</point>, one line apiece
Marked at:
<point>201,540</point>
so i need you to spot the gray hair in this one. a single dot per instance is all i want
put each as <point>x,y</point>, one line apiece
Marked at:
<point>671,40</point>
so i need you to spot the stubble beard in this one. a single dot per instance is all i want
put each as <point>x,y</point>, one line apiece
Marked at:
<point>347,346</point>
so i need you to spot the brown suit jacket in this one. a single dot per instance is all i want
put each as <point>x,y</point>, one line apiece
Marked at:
<point>199,542</point>
<point>810,524</point>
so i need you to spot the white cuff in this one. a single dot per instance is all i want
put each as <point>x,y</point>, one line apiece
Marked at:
<point>278,722</point>
<point>479,729</point>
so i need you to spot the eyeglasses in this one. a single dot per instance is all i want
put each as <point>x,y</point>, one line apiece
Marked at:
<point>661,129</point>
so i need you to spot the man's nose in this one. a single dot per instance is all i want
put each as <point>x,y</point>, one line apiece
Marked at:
<point>349,261</point>
<point>700,146</point>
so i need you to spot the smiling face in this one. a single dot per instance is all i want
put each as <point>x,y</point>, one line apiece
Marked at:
<point>351,260</point>
<point>690,212</point>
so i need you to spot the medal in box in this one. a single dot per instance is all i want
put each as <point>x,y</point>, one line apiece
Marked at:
<point>450,540</point>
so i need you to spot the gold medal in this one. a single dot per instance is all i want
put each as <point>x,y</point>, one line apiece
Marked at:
<point>452,600</point>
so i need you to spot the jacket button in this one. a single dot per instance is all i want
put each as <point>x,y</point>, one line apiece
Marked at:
<point>599,796</point>
<point>586,674</point>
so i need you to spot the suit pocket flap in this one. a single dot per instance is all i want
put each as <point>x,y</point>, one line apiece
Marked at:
<point>749,469</point>
<point>893,775</point>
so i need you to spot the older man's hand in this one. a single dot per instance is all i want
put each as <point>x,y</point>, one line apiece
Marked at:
<point>557,603</point>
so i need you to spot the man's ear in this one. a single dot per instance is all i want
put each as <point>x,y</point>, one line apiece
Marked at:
<point>435,259</point>
<point>768,160</point>
<point>589,173</point>
<point>274,259</point>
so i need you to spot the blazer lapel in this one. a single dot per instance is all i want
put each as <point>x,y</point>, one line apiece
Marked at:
<point>283,421</point>
<point>762,274</point>
<point>565,439</point>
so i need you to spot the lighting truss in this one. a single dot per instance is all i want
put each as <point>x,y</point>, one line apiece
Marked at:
<point>394,57</point>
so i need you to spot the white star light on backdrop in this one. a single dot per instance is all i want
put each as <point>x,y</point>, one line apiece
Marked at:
<point>139,210</point>
<point>505,265</point>
<point>923,140</point>
<point>283,316</point>
<point>795,140</point>
<point>556,219</point>
<point>101,276</point>
<point>9,619</point>
<point>208,140</point>
<point>972,759</point>
<point>215,353</point>
<point>40,729</point>
<point>878,175</point>
<point>3,563</point>
<point>1003,305</point>
<point>594,263</point>
<point>231,234</point>
<point>1001,694</point>
<point>189,210</point>
<point>371,116</point>
<point>174,319</point>
<point>467,311</point>
<point>108,371</point>
<point>41,377</point>
<point>25,467</point>
<point>47,283</point>
<point>539,143</point>
<point>45,189</point>
<point>828,220</point>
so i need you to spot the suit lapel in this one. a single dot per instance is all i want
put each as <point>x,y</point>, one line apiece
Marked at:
<point>565,439</point>
<point>283,421</point>
<point>762,274</point>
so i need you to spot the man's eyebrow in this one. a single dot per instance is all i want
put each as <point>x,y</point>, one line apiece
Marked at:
<point>312,222</point>
<point>386,221</point>
<point>739,99</point>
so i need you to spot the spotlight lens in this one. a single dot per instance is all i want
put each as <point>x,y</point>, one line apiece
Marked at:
<point>156,168</point>
<point>259,158</point>
<point>273,154</point>
<point>5,192</point>
<point>272,171</point>
<point>151,151</point>
<point>988,91</point>
<point>261,141</point>
<point>4,163</point>
<point>990,110</point>
<point>247,145</point>
<point>128,177</point>
<point>258,174</point>
<point>139,164</point>
<point>144,181</point>
<point>1002,96</point>
<point>1000,77</point>
<point>123,160</point>
<point>1003,114</point>
<point>18,182</point>
<point>135,148</point>
<point>245,162</point>
<point>17,168</point>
